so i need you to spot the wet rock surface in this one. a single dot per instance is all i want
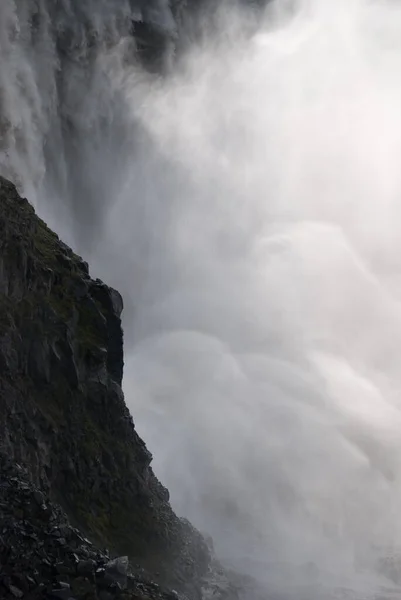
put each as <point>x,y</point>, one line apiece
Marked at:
<point>64,418</point>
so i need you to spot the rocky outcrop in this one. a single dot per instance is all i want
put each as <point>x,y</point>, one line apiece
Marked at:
<point>62,410</point>
<point>43,556</point>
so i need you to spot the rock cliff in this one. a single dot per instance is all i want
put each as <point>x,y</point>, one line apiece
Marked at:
<point>62,410</point>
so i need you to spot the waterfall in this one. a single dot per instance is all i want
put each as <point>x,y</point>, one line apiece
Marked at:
<point>246,201</point>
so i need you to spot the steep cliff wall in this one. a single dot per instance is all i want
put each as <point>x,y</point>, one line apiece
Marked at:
<point>62,411</point>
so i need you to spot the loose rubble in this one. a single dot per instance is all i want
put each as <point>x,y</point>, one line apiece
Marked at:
<point>42,556</point>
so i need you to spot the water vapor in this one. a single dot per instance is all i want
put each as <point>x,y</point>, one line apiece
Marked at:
<point>248,206</point>
<point>266,372</point>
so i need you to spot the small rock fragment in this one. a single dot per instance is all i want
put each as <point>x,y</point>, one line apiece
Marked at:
<point>16,592</point>
<point>61,593</point>
<point>86,567</point>
<point>116,571</point>
<point>39,497</point>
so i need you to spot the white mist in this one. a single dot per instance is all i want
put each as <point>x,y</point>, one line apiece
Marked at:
<point>248,205</point>
<point>266,370</point>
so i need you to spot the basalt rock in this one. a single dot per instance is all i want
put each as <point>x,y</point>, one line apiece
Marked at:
<point>42,556</point>
<point>63,416</point>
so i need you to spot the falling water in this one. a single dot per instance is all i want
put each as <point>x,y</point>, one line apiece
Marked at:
<point>248,205</point>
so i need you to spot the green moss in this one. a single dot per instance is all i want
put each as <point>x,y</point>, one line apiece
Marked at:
<point>52,254</point>
<point>89,332</point>
<point>99,524</point>
<point>52,404</point>
<point>94,439</point>
<point>33,238</point>
<point>61,302</point>
<point>46,243</point>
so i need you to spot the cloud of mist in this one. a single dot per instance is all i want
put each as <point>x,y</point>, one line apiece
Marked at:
<point>248,207</point>
<point>265,372</point>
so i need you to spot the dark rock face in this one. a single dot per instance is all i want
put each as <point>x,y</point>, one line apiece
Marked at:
<point>42,556</point>
<point>63,415</point>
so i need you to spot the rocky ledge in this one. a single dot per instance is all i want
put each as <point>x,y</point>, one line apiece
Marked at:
<point>64,421</point>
